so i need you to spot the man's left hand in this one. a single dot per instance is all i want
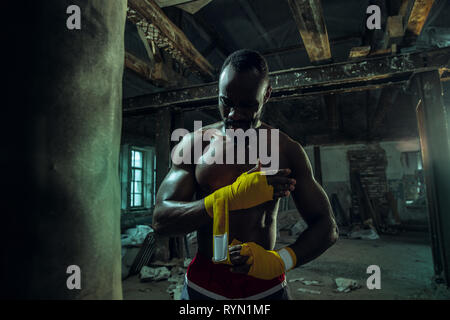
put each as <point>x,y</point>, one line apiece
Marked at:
<point>252,259</point>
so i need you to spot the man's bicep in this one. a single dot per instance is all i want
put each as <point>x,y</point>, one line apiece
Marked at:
<point>311,200</point>
<point>178,185</point>
<point>309,197</point>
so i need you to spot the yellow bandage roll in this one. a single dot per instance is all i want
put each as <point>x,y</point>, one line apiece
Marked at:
<point>220,231</point>
<point>249,190</point>
<point>268,264</point>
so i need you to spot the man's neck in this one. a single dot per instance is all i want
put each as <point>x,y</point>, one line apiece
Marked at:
<point>257,126</point>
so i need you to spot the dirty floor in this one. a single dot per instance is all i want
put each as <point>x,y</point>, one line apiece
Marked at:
<point>405,262</point>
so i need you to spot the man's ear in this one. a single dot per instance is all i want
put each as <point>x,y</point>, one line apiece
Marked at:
<point>268,93</point>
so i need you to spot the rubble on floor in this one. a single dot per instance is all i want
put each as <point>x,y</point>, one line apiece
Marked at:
<point>406,259</point>
<point>176,287</point>
<point>172,271</point>
<point>342,284</point>
<point>128,257</point>
<point>135,236</point>
<point>132,242</point>
<point>366,231</point>
<point>346,285</point>
<point>364,234</point>
<point>154,274</point>
<point>308,291</point>
<point>290,223</point>
<point>306,282</point>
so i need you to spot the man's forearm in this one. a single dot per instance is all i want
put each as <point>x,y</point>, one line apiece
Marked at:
<point>173,218</point>
<point>315,240</point>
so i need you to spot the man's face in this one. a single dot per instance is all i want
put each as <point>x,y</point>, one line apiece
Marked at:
<point>241,97</point>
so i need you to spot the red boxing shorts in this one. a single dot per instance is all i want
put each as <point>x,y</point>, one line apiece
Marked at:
<point>216,281</point>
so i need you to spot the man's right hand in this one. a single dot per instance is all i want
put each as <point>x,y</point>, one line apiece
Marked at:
<point>253,188</point>
<point>279,180</point>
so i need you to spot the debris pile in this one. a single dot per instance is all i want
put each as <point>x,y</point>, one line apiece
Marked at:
<point>346,285</point>
<point>135,236</point>
<point>363,234</point>
<point>342,285</point>
<point>289,223</point>
<point>308,291</point>
<point>306,282</point>
<point>137,249</point>
<point>154,274</point>
<point>172,271</point>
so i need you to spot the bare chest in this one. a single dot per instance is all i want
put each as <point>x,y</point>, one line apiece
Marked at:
<point>222,162</point>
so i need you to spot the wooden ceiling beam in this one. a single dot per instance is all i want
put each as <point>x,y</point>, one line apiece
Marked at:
<point>416,13</point>
<point>359,52</point>
<point>159,73</point>
<point>293,83</point>
<point>142,68</point>
<point>157,27</point>
<point>417,18</point>
<point>308,15</point>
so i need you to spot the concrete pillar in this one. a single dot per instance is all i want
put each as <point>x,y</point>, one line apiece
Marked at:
<point>433,122</point>
<point>65,196</point>
<point>163,144</point>
<point>163,153</point>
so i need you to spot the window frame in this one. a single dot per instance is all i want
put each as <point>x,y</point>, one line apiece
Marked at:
<point>131,181</point>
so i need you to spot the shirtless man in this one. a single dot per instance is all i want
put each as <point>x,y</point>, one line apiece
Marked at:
<point>181,204</point>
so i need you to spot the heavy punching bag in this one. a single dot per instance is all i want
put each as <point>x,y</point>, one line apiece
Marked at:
<point>61,228</point>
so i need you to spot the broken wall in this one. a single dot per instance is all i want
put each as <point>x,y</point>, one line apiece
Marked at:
<point>336,173</point>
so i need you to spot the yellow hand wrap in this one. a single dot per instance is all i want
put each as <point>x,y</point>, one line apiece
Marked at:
<point>249,190</point>
<point>268,264</point>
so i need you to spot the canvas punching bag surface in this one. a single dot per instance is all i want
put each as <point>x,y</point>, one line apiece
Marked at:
<point>61,238</point>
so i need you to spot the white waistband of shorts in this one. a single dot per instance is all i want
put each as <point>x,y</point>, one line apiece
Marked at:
<point>216,296</point>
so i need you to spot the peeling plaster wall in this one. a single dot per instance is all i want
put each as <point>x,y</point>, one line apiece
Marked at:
<point>336,176</point>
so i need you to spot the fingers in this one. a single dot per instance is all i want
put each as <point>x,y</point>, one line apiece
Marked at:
<point>283,172</point>
<point>281,191</point>
<point>282,186</point>
<point>280,181</point>
<point>281,194</point>
<point>235,248</point>
<point>238,261</point>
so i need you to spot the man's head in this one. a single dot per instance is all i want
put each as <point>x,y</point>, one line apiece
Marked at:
<point>243,89</point>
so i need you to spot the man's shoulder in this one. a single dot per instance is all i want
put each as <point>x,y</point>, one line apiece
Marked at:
<point>190,139</point>
<point>284,139</point>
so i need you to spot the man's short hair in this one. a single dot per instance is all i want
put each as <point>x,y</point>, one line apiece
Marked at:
<point>246,60</point>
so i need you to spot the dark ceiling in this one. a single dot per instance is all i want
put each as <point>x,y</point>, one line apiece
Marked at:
<point>269,27</point>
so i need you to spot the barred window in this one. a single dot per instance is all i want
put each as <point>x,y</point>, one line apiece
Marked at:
<point>137,179</point>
